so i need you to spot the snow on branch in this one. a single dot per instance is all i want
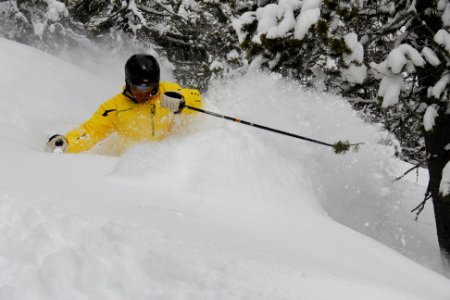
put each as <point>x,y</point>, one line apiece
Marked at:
<point>401,59</point>
<point>444,187</point>
<point>309,16</point>
<point>239,24</point>
<point>18,14</point>
<point>438,89</point>
<point>357,55</point>
<point>138,13</point>
<point>442,37</point>
<point>286,10</point>
<point>444,5</point>
<point>401,56</point>
<point>429,117</point>
<point>430,56</point>
<point>389,90</point>
<point>267,19</point>
<point>55,10</point>
<point>355,73</point>
<point>276,20</point>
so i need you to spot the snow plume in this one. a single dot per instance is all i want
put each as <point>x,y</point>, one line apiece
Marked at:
<point>429,117</point>
<point>217,211</point>
<point>55,10</point>
<point>309,16</point>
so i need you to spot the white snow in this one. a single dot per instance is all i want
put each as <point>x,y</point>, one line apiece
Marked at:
<point>444,187</point>
<point>412,7</point>
<point>355,74</point>
<point>5,7</point>
<point>218,211</point>
<point>277,20</point>
<point>55,10</point>
<point>430,56</point>
<point>399,57</point>
<point>442,4</point>
<point>445,6</point>
<point>437,91</point>
<point>232,55</point>
<point>442,37</point>
<point>389,90</point>
<point>309,15</point>
<point>245,19</point>
<point>357,55</point>
<point>429,117</point>
<point>216,65</point>
<point>267,19</point>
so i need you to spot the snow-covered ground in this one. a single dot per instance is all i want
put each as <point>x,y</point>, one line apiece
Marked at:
<point>217,211</point>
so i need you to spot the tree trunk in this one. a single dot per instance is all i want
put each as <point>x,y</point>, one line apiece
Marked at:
<point>436,142</point>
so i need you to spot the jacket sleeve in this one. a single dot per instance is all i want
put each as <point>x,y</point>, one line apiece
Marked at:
<point>97,128</point>
<point>192,98</point>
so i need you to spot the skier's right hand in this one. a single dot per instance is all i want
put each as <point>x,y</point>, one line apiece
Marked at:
<point>57,143</point>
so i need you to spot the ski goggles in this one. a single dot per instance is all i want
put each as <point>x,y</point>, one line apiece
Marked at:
<point>143,88</point>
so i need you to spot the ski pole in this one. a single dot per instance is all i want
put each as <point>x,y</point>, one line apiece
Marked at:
<point>338,147</point>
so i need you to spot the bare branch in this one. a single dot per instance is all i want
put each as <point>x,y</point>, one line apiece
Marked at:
<point>408,171</point>
<point>419,208</point>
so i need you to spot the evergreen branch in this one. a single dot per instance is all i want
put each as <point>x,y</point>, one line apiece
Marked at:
<point>171,11</point>
<point>391,27</point>
<point>341,147</point>
<point>151,11</point>
<point>361,100</point>
<point>432,34</point>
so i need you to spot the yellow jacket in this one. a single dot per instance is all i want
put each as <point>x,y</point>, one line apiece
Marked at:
<point>133,122</point>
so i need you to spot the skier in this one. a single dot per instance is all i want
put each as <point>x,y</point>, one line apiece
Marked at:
<point>143,111</point>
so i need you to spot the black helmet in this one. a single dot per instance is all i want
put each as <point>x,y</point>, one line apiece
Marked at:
<point>142,69</point>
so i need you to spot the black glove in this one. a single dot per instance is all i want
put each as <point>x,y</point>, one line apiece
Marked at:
<point>173,101</point>
<point>57,143</point>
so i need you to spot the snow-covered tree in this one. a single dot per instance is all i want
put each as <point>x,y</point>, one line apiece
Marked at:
<point>390,57</point>
<point>195,36</point>
<point>45,24</point>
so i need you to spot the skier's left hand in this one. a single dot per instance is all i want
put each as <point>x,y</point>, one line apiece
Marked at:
<point>173,101</point>
<point>57,143</point>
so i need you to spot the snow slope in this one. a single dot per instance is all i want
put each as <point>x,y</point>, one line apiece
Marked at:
<point>217,211</point>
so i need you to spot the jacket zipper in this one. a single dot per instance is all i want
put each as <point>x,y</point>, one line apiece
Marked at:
<point>152,118</point>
